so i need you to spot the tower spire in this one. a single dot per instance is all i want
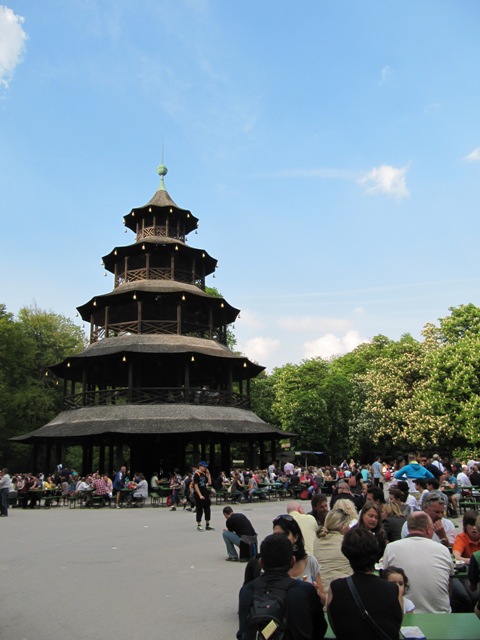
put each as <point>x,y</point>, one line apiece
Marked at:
<point>162,171</point>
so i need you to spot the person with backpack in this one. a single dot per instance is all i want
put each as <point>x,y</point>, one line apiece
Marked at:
<point>275,605</point>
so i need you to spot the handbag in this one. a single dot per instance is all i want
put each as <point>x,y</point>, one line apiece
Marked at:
<point>364,613</point>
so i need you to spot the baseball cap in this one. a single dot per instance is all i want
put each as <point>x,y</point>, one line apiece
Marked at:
<point>202,463</point>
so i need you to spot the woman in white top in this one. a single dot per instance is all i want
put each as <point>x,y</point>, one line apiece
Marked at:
<point>306,567</point>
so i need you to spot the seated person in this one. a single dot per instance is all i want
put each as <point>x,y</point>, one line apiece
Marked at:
<point>141,489</point>
<point>380,598</point>
<point>433,486</point>
<point>304,614</point>
<point>396,574</point>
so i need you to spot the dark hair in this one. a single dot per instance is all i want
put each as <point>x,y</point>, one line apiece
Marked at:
<point>227,510</point>
<point>403,486</point>
<point>470,517</point>
<point>434,482</point>
<point>289,525</point>
<point>366,507</point>
<point>360,547</point>
<point>377,494</point>
<point>384,573</point>
<point>397,494</point>
<point>318,498</point>
<point>276,552</point>
<point>421,482</point>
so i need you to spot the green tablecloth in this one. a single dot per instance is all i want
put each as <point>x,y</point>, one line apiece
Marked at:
<point>440,626</point>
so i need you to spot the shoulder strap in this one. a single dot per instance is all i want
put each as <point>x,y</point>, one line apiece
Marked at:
<point>363,612</point>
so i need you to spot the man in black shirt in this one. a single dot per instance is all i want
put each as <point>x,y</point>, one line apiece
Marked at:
<point>238,526</point>
<point>305,619</point>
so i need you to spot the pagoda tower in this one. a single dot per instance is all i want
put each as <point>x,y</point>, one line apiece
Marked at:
<point>158,383</point>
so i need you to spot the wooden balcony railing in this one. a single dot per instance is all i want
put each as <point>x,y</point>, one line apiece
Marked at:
<point>155,395</point>
<point>154,273</point>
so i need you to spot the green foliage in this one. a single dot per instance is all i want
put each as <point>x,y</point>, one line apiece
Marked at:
<point>386,395</point>
<point>231,339</point>
<point>28,345</point>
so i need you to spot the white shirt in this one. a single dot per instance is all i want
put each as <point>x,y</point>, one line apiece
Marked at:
<point>463,480</point>
<point>449,530</point>
<point>428,566</point>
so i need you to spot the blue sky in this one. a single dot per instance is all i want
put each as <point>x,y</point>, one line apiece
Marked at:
<point>330,149</point>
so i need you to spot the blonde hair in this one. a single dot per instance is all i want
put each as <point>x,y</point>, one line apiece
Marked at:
<point>336,520</point>
<point>394,509</point>
<point>346,505</point>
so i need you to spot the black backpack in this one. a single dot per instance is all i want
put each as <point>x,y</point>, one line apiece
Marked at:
<point>266,619</point>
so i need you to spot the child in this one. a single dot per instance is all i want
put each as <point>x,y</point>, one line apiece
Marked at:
<point>395,574</point>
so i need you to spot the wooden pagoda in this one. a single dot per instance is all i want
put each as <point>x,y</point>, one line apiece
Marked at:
<point>157,383</point>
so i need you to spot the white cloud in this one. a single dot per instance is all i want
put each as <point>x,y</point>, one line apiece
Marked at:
<point>385,73</point>
<point>474,156</point>
<point>258,349</point>
<point>386,179</point>
<point>330,345</point>
<point>12,43</point>
<point>313,323</point>
<point>250,319</point>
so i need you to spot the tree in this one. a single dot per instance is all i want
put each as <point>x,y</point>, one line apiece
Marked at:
<point>231,339</point>
<point>385,411</point>
<point>29,397</point>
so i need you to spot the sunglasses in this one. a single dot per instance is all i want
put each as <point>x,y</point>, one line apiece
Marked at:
<point>286,517</point>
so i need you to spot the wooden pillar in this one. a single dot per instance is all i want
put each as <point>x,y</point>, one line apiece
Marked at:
<point>172,267</point>
<point>106,321</point>
<point>210,322</point>
<point>111,451</point>
<point>35,458</point>
<point>84,459</point>
<point>92,326</point>
<point>262,465</point>
<point>230,385</point>
<point>211,454</point>
<point>101,458</point>
<point>115,276</point>
<point>58,453</point>
<point>48,458</point>
<point>84,385</point>
<point>139,317</point>
<point>193,269</point>
<point>147,266</point>
<point>179,317</point>
<point>187,381</point>
<point>130,380</point>
<point>273,450</point>
<point>126,268</point>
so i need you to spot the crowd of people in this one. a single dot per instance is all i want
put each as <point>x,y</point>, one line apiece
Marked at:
<point>383,531</point>
<point>378,538</point>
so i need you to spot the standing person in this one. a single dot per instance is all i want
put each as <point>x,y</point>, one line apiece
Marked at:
<point>412,471</point>
<point>238,527</point>
<point>377,472</point>
<point>201,482</point>
<point>4,491</point>
<point>175,486</point>
<point>119,484</point>
<point>304,617</point>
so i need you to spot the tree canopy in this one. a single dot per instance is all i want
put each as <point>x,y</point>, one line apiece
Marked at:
<point>29,398</point>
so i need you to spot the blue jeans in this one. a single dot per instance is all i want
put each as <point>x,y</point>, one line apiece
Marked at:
<point>231,539</point>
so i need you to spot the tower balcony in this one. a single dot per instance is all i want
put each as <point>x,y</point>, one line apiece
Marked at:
<point>159,231</point>
<point>165,273</point>
<point>156,395</point>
